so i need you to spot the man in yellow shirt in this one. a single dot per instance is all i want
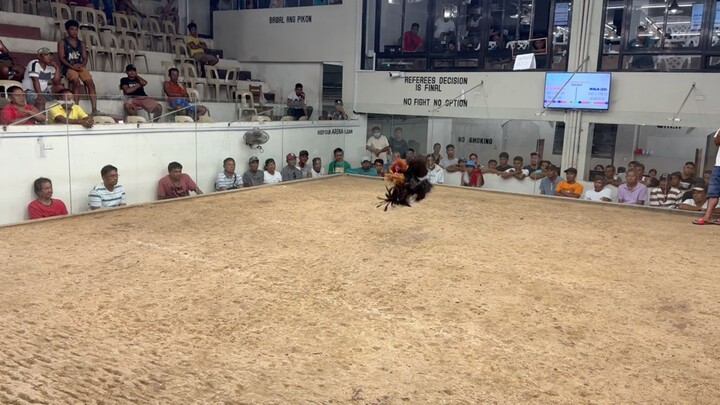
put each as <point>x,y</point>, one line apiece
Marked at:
<point>67,112</point>
<point>196,48</point>
<point>569,187</point>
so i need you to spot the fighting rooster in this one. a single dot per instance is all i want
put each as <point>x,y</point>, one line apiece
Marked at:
<point>409,182</point>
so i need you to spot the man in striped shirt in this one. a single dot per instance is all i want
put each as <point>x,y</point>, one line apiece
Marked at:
<point>108,193</point>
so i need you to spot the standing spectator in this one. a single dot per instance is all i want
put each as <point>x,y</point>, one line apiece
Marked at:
<point>491,167</point>
<point>317,170</point>
<point>462,168</point>
<point>688,176</point>
<point>378,144</point>
<point>398,144</point>
<point>42,79</point>
<point>170,12</point>
<point>503,162</point>
<point>436,153</point>
<point>18,110</point>
<point>707,175</point>
<point>476,177</point>
<point>296,103</point>
<point>178,97</point>
<point>253,177</point>
<point>713,190</point>
<point>665,195</point>
<point>45,206</point>
<point>600,192</point>
<point>632,192</point>
<point>197,48</point>
<point>67,112</point>
<point>291,172</point>
<point>339,165</point>
<point>270,176</point>
<point>569,187</point>
<point>339,112</point>
<point>133,87</point>
<point>516,170</point>
<point>541,171</point>
<point>73,60</point>
<point>450,163</point>
<point>9,69</point>
<point>550,182</point>
<point>436,174</point>
<point>411,41</point>
<point>303,165</point>
<point>176,184</point>
<point>410,154</point>
<point>534,163</point>
<point>611,177</point>
<point>108,193</point>
<point>228,179</point>
<point>107,8</point>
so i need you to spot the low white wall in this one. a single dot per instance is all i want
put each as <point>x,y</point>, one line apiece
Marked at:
<point>524,186</point>
<point>73,156</point>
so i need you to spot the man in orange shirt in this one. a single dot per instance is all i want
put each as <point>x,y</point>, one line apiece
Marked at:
<point>569,187</point>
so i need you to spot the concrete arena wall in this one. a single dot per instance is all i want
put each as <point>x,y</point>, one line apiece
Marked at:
<point>73,156</point>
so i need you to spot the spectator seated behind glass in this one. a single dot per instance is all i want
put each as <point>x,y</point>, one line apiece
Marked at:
<point>196,49</point>
<point>302,163</point>
<point>42,79</point>
<point>599,191</point>
<point>411,41</point>
<point>67,112</point>
<point>632,191</point>
<point>45,206</point>
<point>339,112</point>
<point>178,97</point>
<point>569,187</point>
<point>316,170</point>
<point>291,172</point>
<point>665,195</point>
<point>517,171</point>
<point>444,32</point>
<point>271,176</point>
<point>133,87</point>
<point>228,179</point>
<point>253,177</point>
<point>176,184</point>
<point>698,202</point>
<point>378,144</point>
<point>108,193</point>
<point>18,111</point>
<point>366,168</point>
<point>296,103</point>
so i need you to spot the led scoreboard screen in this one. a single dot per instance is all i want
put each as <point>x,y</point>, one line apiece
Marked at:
<point>579,91</point>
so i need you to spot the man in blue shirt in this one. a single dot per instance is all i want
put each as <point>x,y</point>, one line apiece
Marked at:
<point>549,182</point>
<point>366,169</point>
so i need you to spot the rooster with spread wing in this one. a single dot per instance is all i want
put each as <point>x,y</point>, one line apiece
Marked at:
<point>409,182</point>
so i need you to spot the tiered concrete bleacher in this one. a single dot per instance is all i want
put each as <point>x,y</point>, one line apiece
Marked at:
<point>110,48</point>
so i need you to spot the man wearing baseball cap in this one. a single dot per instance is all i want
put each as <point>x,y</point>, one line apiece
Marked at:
<point>42,78</point>
<point>291,172</point>
<point>569,187</point>
<point>253,177</point>
<point>133,87</point>
<point>366,168</point>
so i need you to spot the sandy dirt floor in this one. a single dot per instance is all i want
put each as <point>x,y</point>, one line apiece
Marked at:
<point>307,293</point>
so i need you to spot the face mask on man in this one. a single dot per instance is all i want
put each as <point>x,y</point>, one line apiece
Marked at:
<point>376,134</point>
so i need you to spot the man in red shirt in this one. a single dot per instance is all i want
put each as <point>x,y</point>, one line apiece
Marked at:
<point>45,206</point>
<point>178,98</point>
<point>19,109</point>
<point>411,40</point>
<point>176,183</point>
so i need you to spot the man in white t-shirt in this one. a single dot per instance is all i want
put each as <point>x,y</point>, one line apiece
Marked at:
<point>296,103</point>
<point>450,162</point>
<point>42,76</point>
<point>108,193</point>
<point>600,192</point>
<point>436,174</point>
<point>378,145</point>
<point>444,32</point>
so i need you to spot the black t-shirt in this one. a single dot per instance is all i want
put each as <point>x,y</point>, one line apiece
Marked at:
<point>400,146</point>
<point>502,168</point>
<point>133,83</point>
